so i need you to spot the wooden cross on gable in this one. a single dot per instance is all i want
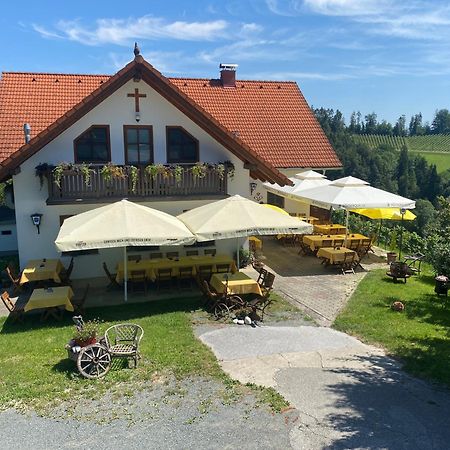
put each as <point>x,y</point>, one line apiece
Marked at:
<point>137,96</point>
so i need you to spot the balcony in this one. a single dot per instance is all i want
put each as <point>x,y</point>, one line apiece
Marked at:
<point>77,185</point>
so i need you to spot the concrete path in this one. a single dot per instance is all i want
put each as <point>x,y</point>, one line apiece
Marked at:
<point>348,394</point>
<point>319,291</point>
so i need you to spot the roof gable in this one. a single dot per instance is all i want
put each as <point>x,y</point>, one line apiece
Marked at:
<point>140,69</point>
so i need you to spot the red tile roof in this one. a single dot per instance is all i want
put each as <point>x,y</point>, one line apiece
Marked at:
<point>272,118</point>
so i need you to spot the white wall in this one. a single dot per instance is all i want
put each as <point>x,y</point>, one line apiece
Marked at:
<point>115,111</point>
<point>8,242</point>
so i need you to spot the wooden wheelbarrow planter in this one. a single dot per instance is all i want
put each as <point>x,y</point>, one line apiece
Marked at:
<point>120,341</point>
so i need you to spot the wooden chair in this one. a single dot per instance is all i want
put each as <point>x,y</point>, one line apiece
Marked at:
<point>327,243</point>
<point>185,277</point>
<point>138,279</point>
<point>262,275</point>
<point>136,258</point>
<point>338,243</point>
<point>122,341</point>
<point>205,272</point>
<point>16,311</point>
<point>164,278</point>
<point>353,245</point>
<point>156,255</point>
<point>172,255</point>
<point>222,268</point>
<point>304,248</point>
<point>15,280</point>
<point>66,273</point>
<point>78,302</point>
<point>267,284</point>
<point>210,252</point>
<point>192,253</point>
<point>348,264</point>
<point>364,248</point>
<point>113,284</point>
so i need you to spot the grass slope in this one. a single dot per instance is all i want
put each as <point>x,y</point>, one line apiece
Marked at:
<point>34,365</point>
<point>419,336</point>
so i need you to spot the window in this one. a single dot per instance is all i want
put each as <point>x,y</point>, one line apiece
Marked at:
<point>6,232</point>
<point>276,200</point>
<point>182,147</point>
<point>93,145</point>
<point>138,142</point>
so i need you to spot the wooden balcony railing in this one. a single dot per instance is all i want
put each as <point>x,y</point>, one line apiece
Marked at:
<point>72,186</point>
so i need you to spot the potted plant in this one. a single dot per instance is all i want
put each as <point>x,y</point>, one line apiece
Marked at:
<point>392,255</point>
<point>87,334</point>
<point>442,285</point>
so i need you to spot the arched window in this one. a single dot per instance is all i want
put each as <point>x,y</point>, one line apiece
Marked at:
<point>182,147</point>
<point>92,146</point>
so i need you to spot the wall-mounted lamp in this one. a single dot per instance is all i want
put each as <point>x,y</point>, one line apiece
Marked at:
<point>253,186</point>
<point>137,116</point>
<point>36,219</point>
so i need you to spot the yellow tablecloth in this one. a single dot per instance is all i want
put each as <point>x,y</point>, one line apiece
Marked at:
<point>330,229</point>
<point>256,242</point>
<point>43,298</point>
<point>334,255</point>
<point>152,265</point>
<point>38,270</point>
<point>315,240</point>
<point>238,283</point>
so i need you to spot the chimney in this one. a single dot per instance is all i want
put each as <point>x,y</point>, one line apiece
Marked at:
<point>228,75</point>
<point>27,132</point>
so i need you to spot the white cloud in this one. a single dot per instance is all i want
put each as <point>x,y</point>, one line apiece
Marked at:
<point>348,7</point>
<point>124,31</point>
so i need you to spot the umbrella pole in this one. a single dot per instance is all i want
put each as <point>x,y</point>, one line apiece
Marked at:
<point>401,238</point>
<point>237,254</point>
<point>346,226</point>
<point>125,274</point>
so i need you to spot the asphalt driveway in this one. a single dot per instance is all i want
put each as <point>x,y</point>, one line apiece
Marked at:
<point>348,394</point>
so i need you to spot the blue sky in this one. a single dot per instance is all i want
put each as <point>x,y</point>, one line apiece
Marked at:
<point>387,56</point>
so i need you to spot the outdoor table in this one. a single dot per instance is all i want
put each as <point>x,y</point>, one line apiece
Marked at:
<point>50,299</point>
<point>330,229</point>
<point>238,283</point>
<point>315,240</point>
<point>151,266</point>
<point>41,269</point>
<point>257,243</point>
<point>335,255</point>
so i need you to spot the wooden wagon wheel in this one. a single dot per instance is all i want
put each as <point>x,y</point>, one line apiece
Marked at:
<point>94,361</point>
<point>221,311</point>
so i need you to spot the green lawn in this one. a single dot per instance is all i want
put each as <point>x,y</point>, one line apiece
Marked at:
<point>419,337</point>
<point>35,370</point>
<point>441,160</point>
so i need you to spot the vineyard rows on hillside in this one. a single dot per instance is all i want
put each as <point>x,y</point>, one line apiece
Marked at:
<point>428,143</point>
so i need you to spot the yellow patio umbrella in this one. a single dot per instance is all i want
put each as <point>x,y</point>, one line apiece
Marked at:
<point>385,213</point>
<point>276,208</point>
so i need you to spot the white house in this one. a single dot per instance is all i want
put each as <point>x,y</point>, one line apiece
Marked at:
<point>142,123</point>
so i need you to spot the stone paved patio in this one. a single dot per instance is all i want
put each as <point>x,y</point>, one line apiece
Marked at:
<point>319,291</point>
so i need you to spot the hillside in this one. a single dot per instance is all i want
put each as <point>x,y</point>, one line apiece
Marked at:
<point>434,148</point>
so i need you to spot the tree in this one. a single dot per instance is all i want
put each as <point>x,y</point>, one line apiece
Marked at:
<point>400,126</point>
<point>415,125</point>
<point>441,122</point>
<point>370,126</point>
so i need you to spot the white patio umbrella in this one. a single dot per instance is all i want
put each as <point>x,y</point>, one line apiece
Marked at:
<point>352,193</point>
<point>236,217</point>
<point>121,224</point>
<point>302,181</point>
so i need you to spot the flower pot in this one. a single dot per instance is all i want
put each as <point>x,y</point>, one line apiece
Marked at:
<point>86,342</point>
<point>391,257</point>
<point>441,287</point>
